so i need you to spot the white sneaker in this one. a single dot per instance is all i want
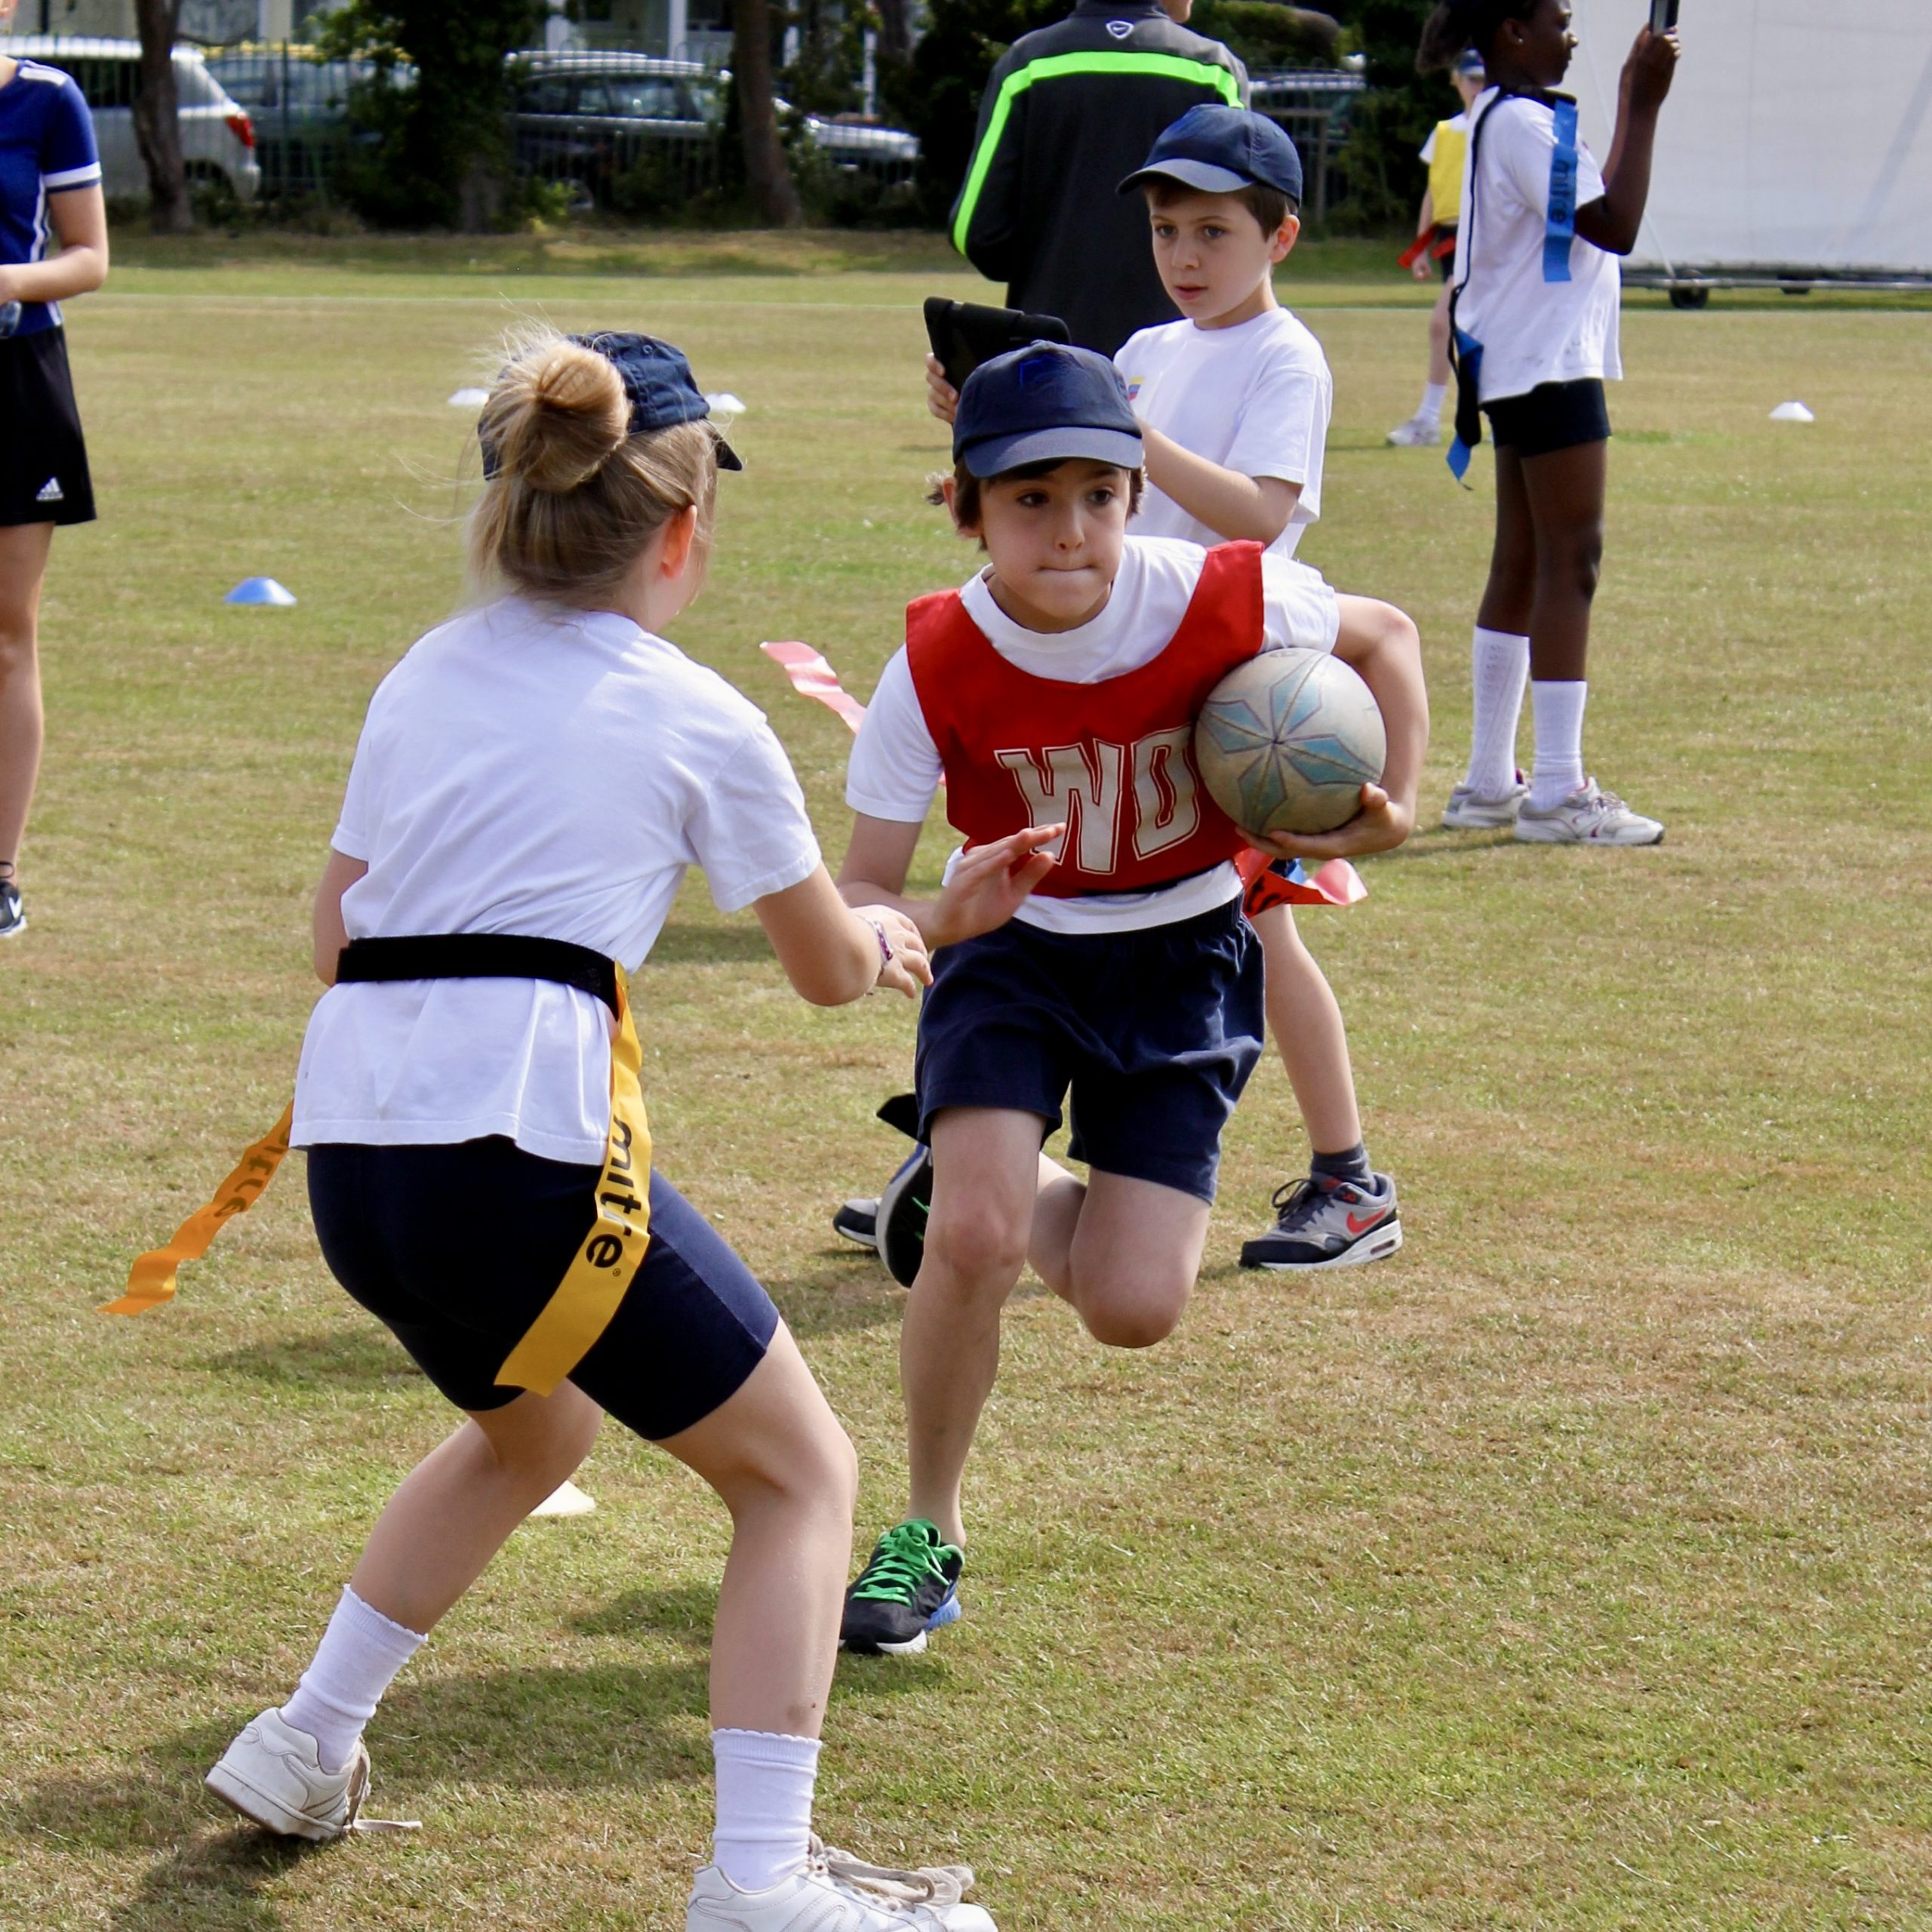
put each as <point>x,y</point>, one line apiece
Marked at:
<point>1588,817</point>
<point>273,1774</point>
<point>837,1893</point>
<point>1468,810</point>
<point>1417,433</point>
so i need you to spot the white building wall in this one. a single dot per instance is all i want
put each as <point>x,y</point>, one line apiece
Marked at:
<point>1795,136</point>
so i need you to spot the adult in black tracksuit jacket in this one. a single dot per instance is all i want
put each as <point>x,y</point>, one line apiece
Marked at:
<point>1069,111</point>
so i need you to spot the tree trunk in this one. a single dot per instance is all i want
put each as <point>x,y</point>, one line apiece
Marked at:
<point>895,31</point>
<point>773,191</point>
<point>157,121</point>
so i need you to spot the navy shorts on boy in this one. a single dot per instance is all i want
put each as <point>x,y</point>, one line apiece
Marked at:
<point>457,1249</point>
<point>1552,416</point>
<point>1154,1031</point>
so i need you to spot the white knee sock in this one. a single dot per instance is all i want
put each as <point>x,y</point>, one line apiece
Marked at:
<point>361,1651</point>
<point>1430,411</point>
<point>764,1805</point>
<point>1559,715</point>
<point>1499,661</point>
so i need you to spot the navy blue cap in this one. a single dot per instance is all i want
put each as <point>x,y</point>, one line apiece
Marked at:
<point>1469,62</point>
<point>1043,404</point>
<point>658,384</point>
<point>1221,150</point>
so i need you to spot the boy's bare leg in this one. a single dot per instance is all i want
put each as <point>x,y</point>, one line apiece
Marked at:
<point>1439,370</point>
<point>1136,1254</point>
<point>986,1171</point>
<point>1306,1020</point>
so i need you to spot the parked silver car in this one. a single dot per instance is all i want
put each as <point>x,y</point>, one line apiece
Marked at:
<point>217,137</point>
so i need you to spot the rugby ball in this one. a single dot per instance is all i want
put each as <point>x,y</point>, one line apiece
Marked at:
<point>1286,742</point>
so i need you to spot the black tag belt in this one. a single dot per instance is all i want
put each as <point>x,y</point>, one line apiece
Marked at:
<point>479,956</point>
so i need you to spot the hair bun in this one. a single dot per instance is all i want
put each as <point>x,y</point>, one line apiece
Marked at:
<point>556,415</point>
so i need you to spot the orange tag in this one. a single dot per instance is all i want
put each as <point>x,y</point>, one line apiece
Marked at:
<point>150,1280</point>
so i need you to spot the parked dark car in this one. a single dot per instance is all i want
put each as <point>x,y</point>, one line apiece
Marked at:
<point>593,120</point>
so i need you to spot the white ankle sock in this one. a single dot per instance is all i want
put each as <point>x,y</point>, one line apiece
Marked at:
<point>361,1651</point>
<point>1430,411</point>
<point>1500,664</point>
<point>1559,715</point>
<point>764,1805</point>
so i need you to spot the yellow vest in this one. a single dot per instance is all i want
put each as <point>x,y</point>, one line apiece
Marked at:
<point>1445,172</point>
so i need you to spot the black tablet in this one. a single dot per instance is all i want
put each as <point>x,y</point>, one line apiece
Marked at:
<point>965,334</point>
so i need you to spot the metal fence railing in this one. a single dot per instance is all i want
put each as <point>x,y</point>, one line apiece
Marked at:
<point>635,134</point>
<point>1314,105</point>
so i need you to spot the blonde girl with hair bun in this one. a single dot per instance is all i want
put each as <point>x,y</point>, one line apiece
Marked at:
<point>532,781</point>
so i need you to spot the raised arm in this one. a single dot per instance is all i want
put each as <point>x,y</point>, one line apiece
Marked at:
<point>989,883</point>
<point>1233,505</point>
<point>1612,221</point>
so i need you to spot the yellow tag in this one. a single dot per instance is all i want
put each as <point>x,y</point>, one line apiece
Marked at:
<point>585,1299</point>
<point>150,1280</point>
<point>608,1262</point>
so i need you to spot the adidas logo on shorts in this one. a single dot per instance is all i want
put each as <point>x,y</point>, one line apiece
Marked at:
<point>50,492</point>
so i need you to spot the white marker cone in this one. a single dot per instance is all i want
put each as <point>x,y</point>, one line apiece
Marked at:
<point>1793,412</point>
<point>725,406</point>
<point>567,1500</point>
<point>468,398</point>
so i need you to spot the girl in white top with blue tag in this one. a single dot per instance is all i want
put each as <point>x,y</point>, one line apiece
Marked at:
<point>531,783</point>
<point>1537,296</point>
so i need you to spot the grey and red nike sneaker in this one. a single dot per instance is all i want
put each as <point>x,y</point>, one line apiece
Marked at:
<point>1323,1223</point>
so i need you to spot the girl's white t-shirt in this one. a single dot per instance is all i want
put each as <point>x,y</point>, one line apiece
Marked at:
<point>896,768</point>
<point>1532,331</point>
<point>528,769</point>
<point>1255,399</point>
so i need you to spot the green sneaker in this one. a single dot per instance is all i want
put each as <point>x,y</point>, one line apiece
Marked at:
<point>911,1586</point>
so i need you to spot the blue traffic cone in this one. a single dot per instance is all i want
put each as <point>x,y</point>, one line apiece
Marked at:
<point>259,590</point>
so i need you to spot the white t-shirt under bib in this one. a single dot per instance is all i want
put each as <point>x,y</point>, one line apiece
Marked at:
<point>1532,331</point>
<point>896,769</point>
<point>528,769</point>
<point>1255,399</point>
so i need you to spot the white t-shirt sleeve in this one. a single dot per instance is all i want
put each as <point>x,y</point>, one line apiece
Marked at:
<point>1284,422</point>
<point>895,770</point>
<point>1298,608</point>
<point>1526,139</point>
<point>1428,146</point>
<point>749,831</point>
<point>354,833</point>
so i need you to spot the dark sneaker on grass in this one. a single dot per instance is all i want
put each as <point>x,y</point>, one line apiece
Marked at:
<point>857,1221</point>
<point>13,913</point>
<point>903,1209</point>
<point>1322,1222</point>
<point>910,1586</point>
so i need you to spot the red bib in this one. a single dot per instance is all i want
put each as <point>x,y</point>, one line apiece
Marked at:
<point>1115,760</point>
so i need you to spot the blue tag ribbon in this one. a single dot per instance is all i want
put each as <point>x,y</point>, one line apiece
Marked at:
<point>1560,229</point>
<point>1468,374</point>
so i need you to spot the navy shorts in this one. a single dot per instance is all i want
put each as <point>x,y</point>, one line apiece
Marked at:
<point>1155,1033</point>
<point>457,1248</point>
<point>1553,416</point>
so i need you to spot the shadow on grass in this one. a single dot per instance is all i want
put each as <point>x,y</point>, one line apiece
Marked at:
<point>360,1356</point>
<point>710,946</point>
<point>846,1296</point>
<point>529,1731</point>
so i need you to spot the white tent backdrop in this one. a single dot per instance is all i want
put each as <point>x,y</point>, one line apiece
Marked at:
<point>1797,136</point>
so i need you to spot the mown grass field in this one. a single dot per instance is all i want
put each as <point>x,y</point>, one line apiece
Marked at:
<point>1569,1571</point>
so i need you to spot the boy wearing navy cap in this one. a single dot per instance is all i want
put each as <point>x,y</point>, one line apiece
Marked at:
<point>1090,935</point>
<point>1235,401</point>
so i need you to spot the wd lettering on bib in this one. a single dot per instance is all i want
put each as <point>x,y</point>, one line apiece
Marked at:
<point>1113,759</point>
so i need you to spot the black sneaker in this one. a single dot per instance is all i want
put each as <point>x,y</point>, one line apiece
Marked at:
<point>857,1221</point>
<point>13,913</point>
<point>1322,1222</point>
<point>903,1209</point>
<point>910,1586</point>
